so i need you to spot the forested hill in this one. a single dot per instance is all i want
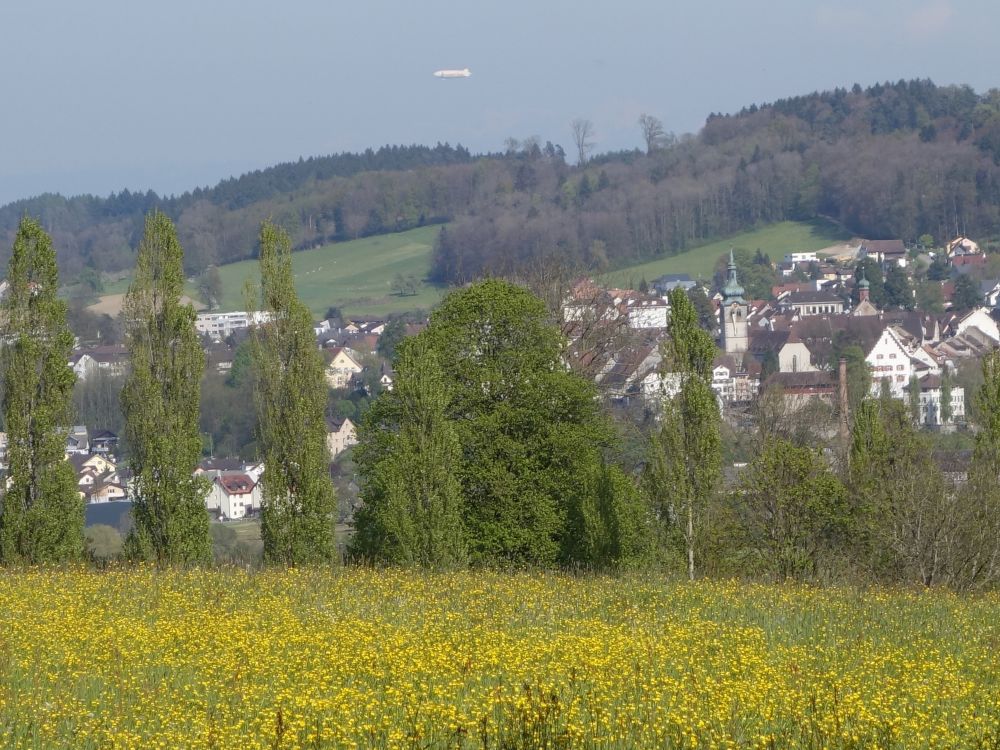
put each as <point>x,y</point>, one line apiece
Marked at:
<point>893,160</point>
<point>103,232</point>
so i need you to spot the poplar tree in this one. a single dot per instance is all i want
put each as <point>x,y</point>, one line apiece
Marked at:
<point>410,456</point>
<point>161,403</point>
<point>41,511</point>
<point>299,505</point>
<point>685,464</point>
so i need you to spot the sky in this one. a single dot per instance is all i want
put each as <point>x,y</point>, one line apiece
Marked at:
<point>111,94</point>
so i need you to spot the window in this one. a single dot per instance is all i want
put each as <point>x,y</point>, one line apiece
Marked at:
<point>900,367</point>
<point>879,357</point>
<point>892,356</point>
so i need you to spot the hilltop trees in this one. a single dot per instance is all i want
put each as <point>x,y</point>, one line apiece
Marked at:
<point>161,403</point>
<point>299,506</point>
<point>41,513</point>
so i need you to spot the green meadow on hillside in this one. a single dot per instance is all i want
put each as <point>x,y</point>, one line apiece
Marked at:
<point>774,240</point>
<point>355,276</point>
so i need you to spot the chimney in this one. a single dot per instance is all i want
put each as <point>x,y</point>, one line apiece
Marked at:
<point>843,400</point>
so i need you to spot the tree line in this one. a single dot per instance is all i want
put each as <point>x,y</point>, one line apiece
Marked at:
<point>41,511</point>
<point>488,450</point>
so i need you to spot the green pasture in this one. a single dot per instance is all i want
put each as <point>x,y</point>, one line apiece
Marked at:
<point>774,240</point>
<point>355,276</point>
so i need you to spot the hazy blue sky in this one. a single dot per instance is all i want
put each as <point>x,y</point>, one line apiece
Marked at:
<point>106,94</point>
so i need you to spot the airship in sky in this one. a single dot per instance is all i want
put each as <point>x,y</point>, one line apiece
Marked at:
<point>463,73</point>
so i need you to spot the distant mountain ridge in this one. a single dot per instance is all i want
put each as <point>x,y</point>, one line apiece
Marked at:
<point>892,160</point>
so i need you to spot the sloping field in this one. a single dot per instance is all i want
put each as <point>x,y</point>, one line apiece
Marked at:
<point>773,240</point>
<point>355,276</point>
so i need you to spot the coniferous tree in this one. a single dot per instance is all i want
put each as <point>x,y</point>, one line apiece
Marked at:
<point>410,456</point>
<point>161,403</point>
<point>299,505</point>
<point>41,512</point>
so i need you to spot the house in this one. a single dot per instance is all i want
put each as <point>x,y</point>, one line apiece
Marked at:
<point>221,325</point>
<point>803,257</point>
<point>234,495</point>
<point>670,281</point>
<point>819,302</point>
<point>653,313</point>
<point>900,354</point>
<point>883,251</point>
<point>112,360</point>
<point>930,402</point>
<point>97,479</point>
<point>104,443</point>
<point>962,246</point>
<point>78,441</point>
<point>343,367</point>
<point>105,492</point>
<point>801,388</point>
<point>341,435</point>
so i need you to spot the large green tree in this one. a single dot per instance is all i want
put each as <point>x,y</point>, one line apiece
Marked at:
<point>410,456</point>
<point>793,508</point>
<point>161,403</point>
<point>298,513</point>
<point>41,512</point>
<point>685,461</point>
<point>529,429</point>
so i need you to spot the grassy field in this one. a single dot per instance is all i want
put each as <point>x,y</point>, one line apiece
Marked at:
<point>774,240</point>
<point>391,659</point>
<point>355,276</point>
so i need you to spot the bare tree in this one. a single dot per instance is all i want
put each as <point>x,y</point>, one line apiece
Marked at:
<point>583,137</point>
<point>652,131</point>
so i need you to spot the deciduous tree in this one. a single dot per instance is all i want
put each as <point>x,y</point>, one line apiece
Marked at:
<point>410,458</point>
<point>41,513</point>
<point>686,456</point>
<point>299,507</point>
<point>161,403</point>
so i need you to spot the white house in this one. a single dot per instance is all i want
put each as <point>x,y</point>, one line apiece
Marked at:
<point>891,360</point>
<point>649,314</point>
<point>930,402</point>
<point>220,325</point>
<point>808,257</point>
<point>112,360</point>
<point>341,435</point>
<point>342,368</point>
<point>233,495</point>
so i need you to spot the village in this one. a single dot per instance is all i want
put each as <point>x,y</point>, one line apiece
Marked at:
<point>794,342</point>
<point>796,338</point>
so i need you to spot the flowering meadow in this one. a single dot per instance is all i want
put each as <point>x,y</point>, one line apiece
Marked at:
<point>362,658</point>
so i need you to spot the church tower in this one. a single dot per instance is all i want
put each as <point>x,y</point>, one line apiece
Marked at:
<point>735,338</point>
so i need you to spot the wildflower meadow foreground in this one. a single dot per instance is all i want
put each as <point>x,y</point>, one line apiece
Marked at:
<point>370,659</point>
